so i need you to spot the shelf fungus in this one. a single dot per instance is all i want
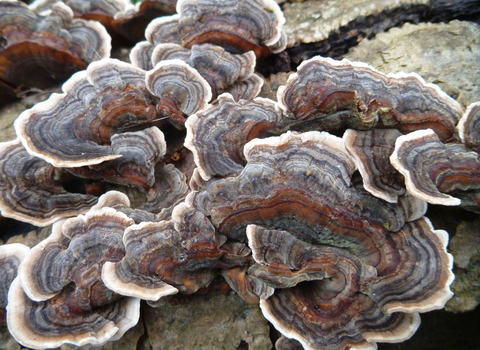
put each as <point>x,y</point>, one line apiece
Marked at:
<point>228,125</point>
<point>183,255</point>
<point>393,214</point>
<point>169,188</point>
<point>140,151</point>
<point>11,255</point>
<point>237,26</point>
<point>122,19</point>
<point>181,89</point>
<point>328,298</point>
<point>33,191</point>
<point>432,168</point>
<point>109,98</point>
<point>371,151</point>
<point>224,72</point>
<point>101,11</point>
<point>39,51</point>
<point>334,95</point>
<point>59,297</point>
<point>344,275</point>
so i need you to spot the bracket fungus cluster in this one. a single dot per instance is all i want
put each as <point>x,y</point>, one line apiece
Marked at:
<point>238,26</point>
<point>224,72</point>
<point>39,50</point>
<point>167,174</point>
<point>59,286</point>
<point>334,95</point>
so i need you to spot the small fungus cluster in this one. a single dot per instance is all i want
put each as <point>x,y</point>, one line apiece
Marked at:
<point>166,173</point>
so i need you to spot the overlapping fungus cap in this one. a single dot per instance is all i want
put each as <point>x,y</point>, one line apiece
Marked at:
<point>393,214</point>
<point>33,191</point>
<point>334,95</point>
<point>103,11</point>
<point>328,310</point>
<point>169,188</point>
<point>182,254</point>
<point>140,151</point>
<point>342,283</point>
<point>431,167</point>
<point>56,262</point>
<point>122,19</point>
<point>371,151</point>
<point>237,26</point>
<point>162,30</point>
<point>342,303</point>
<point>59,297</point>
<point>51,323</point>
<point>181,89</point>
<point>75,128</point>
<point>223,71</point>
<point>469,127</point>
<point>97,103</point>
<point>228,125</point>
<point>286,183</point>
<point>11,255</point>
<point>42,50</point>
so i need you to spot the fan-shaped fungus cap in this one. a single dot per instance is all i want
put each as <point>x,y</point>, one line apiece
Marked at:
<point>410,287</point>
<point>371,150</point>
<point>323,322</point>
<point>431,167</point>
<point>469,127</point>
<point>228,125</point>
<point>11,255</point>
<point>163,30</point>
<point>260,183</point>
<point>342,303</point>
<point>181,89</point>
<point>59,297</point>
<point>238,26</point>
<point>329,309</point>
<point>182,254</point>
<point>75,246</point>
<point>223,71</point>
<point>31,189</point>
<point>334,95</point>
<point>42,50</point>
<point>140,151</point>
<point>51,323</point>
<point>107,98</point>
<point>210,60</point>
